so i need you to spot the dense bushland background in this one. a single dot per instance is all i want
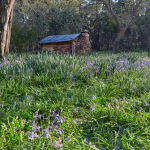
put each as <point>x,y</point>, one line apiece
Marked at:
<point>33,20</point>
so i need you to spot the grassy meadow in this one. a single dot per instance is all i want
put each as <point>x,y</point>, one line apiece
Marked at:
<point>99,101</point>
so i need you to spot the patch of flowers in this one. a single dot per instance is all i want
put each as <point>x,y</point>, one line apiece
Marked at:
<point>54,129</point>
<point>142,64</point>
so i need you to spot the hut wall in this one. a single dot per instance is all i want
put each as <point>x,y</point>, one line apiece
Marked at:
<point>63,47</point>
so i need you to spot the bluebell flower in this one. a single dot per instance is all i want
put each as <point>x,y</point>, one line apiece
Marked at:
<point>117,148</point>
<point>93,97</point>
<point>87,77</point>
<point>46,133</point>
<point>57,115</point>
<point>53,112</point>
<point>49,128</point>
<point>37,116</point>
<point>110,67</point>
<point>101,81</point>
<point>85,140</point>
<point>56,129</point>
<point>35,128</point>
<point>52,123</point>
<point>67,139</point>
<point>76,109</point>
<point>62,119</point>
<point>61,131</point>
<point>57,118</point>
<point>92,108</point>
<point>32,135</point>
<point>4,59</point>
<point>18,70</point>
<point>57,144</point>
<point>120,127</point>
<point>75,121</point>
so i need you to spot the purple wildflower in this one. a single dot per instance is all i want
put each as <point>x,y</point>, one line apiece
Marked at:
<point>4,59</point>
<point>101,81</point>
<point>36,116</point>
<point>124,101</point>
<point>110,67</point>
<point>49,128</point>
<point>76,109</point>
<point>59,140</point>
<point>52,123</point>
<point>57,144</point>
<point>57,115</point>
<point>120,127</point>
<point>85,140</point>
<point>35,128</point>
<point>117,148</point>
<point>75,121</point>
<point>46,133</point>
<point>61,131</point>
<point>91,145</point>
<point>117,106</point>
<point>53,112</point>
<point>93,108</point>
<point>147,104</point>
<point>56,129</point>
<point>67,139</point>
<point>140,109</point>
<point>32,135</point>
<point>62,119</point>
<point>18,70</point>
<point>93,97</point>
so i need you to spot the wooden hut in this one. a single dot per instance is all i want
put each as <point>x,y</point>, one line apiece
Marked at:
<point>71,43</point>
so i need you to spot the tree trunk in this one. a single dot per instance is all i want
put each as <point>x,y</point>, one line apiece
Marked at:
<point>118,39</point>
<point>6,14</point>
<point>121,34</point>
<point>122,29</point>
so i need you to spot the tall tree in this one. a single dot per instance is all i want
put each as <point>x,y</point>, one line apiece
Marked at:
<point>6,14</point>
<point>130,10</point>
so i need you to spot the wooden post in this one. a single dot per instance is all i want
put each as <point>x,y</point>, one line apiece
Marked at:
<point>6,14</point>
<point>72,47</point>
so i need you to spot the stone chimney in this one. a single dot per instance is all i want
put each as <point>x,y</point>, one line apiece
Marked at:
<point>85,41</point>
<point>85,33</point>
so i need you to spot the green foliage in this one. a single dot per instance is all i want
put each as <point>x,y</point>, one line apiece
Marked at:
<point>35,20</point>
<point>115,86</point>
<point>22,37</point>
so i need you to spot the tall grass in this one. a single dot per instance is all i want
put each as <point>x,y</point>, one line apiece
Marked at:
<point>96,101</point>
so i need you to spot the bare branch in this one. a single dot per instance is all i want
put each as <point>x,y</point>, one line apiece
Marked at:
<point>111,12</point>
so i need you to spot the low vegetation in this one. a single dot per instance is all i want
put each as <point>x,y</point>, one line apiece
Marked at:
<point>98,101</point>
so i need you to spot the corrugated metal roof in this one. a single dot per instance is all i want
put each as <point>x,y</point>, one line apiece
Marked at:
<point>59,38</point>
